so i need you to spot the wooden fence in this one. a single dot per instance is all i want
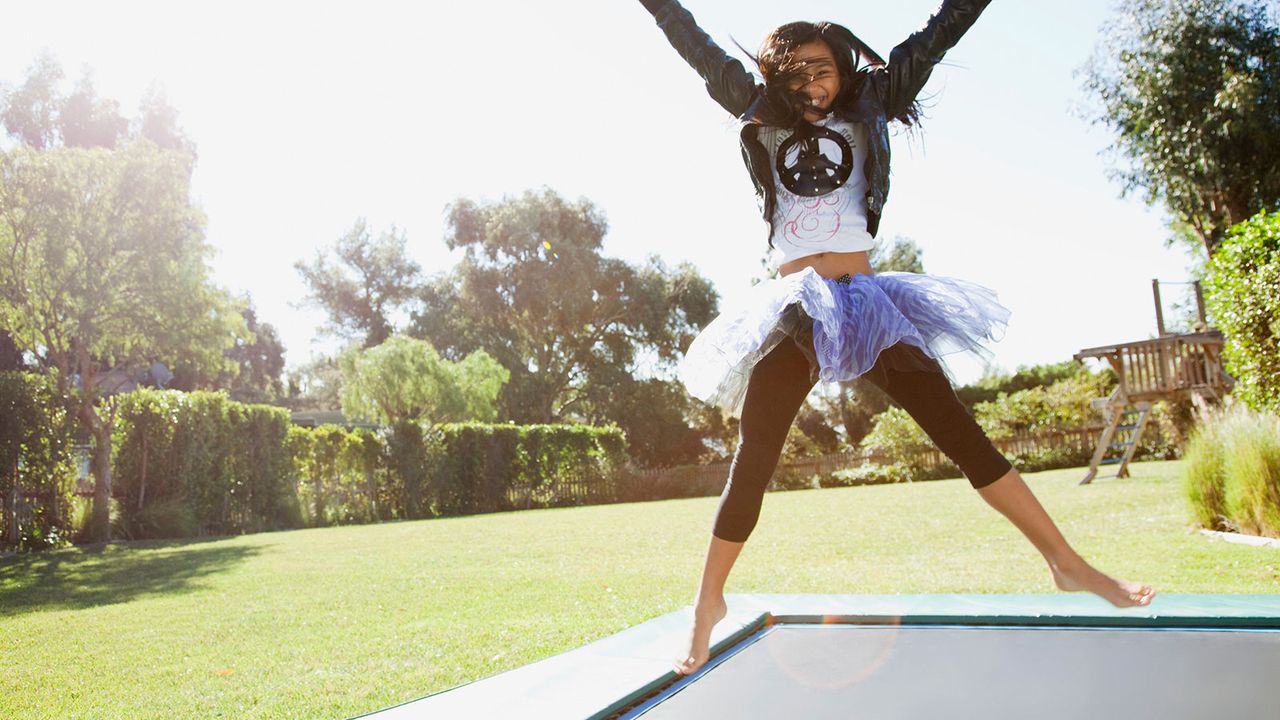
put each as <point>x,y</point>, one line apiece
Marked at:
<point>709,479</point>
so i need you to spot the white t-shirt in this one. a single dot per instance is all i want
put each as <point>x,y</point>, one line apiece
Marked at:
<point>820,189</point>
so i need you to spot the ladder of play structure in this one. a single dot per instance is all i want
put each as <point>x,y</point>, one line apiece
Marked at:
<point>1119,440</point>
<point>1171,366</point>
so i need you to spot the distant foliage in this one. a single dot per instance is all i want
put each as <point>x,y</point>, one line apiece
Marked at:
<point>1243,297</point>
<point>1232,472</point>
<point>868,474</point>
<point>405,379</point>
<point>1027,377</point>
<point>901,449</point>
<point>1062,404</point>
<point>897,440</point>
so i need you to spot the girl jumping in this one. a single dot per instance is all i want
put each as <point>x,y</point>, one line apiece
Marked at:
<point>815,139</point>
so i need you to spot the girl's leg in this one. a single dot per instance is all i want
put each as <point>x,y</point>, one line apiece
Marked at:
<point>778,386</point>
<point>1011,496</point>
<point>929,398</point>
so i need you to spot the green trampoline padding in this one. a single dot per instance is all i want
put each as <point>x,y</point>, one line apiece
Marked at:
<point>907,656</point>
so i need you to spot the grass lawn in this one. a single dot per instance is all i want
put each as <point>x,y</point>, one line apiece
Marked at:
<point>335,622</point>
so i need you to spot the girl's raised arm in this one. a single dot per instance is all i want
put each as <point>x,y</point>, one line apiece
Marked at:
<point>728,82</point>
<point>911,62</point>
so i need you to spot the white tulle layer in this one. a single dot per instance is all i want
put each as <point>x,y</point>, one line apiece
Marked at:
<point>852,323</point>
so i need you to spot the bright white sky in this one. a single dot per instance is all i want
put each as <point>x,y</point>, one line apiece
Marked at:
<point>309,115</point>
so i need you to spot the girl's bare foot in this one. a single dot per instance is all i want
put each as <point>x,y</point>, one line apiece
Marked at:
<point>1080,575</point>
<point>706,614</point>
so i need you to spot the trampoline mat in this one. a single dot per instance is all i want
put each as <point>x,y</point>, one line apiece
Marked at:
<point>858,671</point>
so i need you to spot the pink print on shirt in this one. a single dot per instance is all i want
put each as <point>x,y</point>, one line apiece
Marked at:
<point>812,220</point>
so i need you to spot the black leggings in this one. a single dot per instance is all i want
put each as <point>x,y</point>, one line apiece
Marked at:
<point>778,386</point>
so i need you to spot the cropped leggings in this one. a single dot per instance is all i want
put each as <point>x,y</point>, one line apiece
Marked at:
<point>781,380</point>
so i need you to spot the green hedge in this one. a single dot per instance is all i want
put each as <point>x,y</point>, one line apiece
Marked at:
<point>191,464</point>
<point>478,468</point>
<point>37,473</point>
<point>198,463</point>
<point>1242,300</point>
<point>340,476</point>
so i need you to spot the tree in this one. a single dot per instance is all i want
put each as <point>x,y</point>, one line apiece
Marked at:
<point>39,115</point>
<point>315,385</point>
<point>86,120</point>
<point>104,268</point>
<point>572,326</point>
<point>30,112</point>
<point>406,380</point>
<point>260,360</point>
<point>364,282</point>
<point>1192,90</point>
<point>253,373</point>
<point>158,122</point>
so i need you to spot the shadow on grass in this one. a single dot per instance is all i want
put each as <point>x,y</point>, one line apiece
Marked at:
<point>104,574</point>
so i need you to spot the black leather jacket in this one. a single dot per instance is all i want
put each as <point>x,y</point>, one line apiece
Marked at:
<point>886,91</point>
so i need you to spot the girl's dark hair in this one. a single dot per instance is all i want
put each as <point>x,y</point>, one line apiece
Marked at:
<point>778,66</point>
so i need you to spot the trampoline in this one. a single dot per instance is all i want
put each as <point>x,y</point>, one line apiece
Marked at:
<point>909,656</point>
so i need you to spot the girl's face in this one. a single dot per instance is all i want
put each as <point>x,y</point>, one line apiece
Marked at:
<point>819,81</point>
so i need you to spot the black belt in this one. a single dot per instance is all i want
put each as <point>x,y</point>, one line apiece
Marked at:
<point>845,279</point>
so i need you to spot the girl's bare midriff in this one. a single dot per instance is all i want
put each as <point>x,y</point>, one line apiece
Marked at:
<point>830,264</point>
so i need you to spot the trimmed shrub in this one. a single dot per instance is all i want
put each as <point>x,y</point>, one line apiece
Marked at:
<point>199,463</point>
<point>200,457</point>
<point>1232,471</point>
<point>37,476</point>
<point>1241,296</point>
<point>407,463</point>
<point>475,467</point>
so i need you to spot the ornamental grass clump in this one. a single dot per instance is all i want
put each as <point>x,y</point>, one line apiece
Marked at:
<point>1232,471</point>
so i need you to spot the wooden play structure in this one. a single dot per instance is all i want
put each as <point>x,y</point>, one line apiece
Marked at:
<point>1171,366</point>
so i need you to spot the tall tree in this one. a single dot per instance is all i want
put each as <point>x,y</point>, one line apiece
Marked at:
<point>30,111</point>
<point>361,282</point>
<point>572,326</point>
<point>39,115</point>
<point>86,120</point>
<point>104,268</point>
<point>157,121</point>
<point>254,369</point>
<point>260,362</point>
<point>1192,90</point>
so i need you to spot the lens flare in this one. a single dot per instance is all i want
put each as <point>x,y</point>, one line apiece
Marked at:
<point>819,657</point>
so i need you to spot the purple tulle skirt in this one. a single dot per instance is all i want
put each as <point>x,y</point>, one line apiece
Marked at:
<point>841,326</point>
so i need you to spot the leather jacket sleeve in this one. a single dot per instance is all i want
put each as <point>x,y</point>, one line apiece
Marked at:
<point>912,61</point>
<point>728,82</point>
